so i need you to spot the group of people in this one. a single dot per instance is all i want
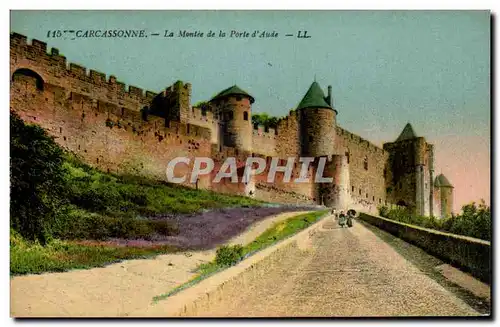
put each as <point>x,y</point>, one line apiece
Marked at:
<point>344,219</point>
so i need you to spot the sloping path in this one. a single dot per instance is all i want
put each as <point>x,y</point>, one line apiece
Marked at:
<point>349,272</point>
<point>117,289</point>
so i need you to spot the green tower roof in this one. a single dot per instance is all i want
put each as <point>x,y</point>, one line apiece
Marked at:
<point>314,98</point>
<point>233,90</point>
<point>442,181</point>
<point>407,134</point>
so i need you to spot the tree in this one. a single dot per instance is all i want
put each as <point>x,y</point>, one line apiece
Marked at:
<point>475,221</point>
<point>265,120</point>
<point>203,105</point>
<point>36,178</point>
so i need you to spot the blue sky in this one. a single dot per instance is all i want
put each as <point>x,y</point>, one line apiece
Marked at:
<point>386,68</point>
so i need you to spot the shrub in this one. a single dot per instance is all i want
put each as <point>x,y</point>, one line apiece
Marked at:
<point>163,227</point>
<point>228,255</point>
<point>383,211</point>
<point>80,224</point>
<point>37,179</point>
<point>473,221</point>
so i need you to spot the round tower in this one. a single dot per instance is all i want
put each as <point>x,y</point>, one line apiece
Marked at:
<point>444,192</point>
<point>317,122</point>
<point>336,194</point>
<point>234,112</point>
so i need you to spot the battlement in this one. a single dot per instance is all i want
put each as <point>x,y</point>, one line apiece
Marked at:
<point>260,130</point>
<point>34,57</point>
<point>124,128</point>
<point>358,139</point>
<point>197,114</point>
<point>283,123</point>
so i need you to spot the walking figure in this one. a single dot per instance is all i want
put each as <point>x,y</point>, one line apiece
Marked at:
<point>342,219</point>
<point>350,215</point>
<point>334,213</point>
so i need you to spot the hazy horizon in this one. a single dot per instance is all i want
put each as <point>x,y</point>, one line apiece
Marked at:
<point>386,68</point>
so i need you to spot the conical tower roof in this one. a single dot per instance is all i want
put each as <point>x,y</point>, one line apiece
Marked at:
<point>314,98</point>
<point>442,181</point>
<point>407,134</point>
<point>233,90</point>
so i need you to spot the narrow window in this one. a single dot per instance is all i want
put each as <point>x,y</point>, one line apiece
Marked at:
<point>365,163</point>
<point>352,189</point>
<point>347,155</point>
<point>245,115</point>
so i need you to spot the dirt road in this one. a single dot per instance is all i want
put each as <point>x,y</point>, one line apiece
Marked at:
<point>350,272</point>
<point>115,290</point>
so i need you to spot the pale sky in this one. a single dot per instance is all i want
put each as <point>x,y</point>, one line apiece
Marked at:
<point>386,68</point>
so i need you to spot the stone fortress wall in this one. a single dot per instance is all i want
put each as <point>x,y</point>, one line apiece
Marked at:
<point>132,131</point>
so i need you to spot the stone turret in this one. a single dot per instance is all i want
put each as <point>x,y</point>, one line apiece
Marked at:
<point>443,196</point>
<point>317,123</point>
<point>233,107</point>
<point>409,182</point>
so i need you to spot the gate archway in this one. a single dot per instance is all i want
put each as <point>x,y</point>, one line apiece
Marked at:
<point>30,73</point>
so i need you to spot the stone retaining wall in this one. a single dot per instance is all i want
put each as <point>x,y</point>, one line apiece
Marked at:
<point>471,254</point>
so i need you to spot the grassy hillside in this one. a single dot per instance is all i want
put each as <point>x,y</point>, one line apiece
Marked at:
<point>66,214</point>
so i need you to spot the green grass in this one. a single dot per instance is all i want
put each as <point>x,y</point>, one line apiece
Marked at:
<point>279,231</point>
<point>57,199</point>
<point>101,206</point>
<point>57,256</point>
<point>125,196</point>
<point>282,230</point>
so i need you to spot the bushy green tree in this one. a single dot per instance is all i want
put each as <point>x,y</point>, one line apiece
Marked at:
<point>265,120</point>
<point>474,221</point>
<point>37,180</point>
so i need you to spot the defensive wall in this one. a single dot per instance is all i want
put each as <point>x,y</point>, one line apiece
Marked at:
<point>129,130</point>
<point>470,254</point>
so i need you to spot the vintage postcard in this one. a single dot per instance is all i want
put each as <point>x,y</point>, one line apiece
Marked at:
<point>250,164</point>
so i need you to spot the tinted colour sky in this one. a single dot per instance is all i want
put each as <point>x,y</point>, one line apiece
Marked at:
<point>386,68</point>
